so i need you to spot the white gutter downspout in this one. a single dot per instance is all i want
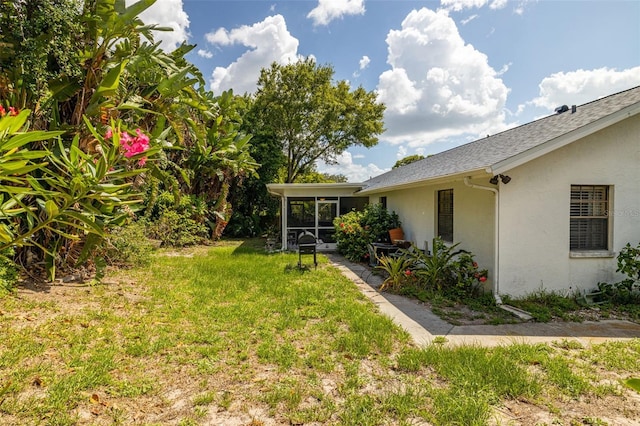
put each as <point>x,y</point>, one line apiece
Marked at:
<point>496,263</point>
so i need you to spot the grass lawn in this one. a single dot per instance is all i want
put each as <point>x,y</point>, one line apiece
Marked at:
<point>229,335</point>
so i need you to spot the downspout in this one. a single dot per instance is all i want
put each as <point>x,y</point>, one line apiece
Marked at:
<point>496,251</point>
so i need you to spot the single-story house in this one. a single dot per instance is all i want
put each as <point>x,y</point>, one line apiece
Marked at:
<point>546,205</point>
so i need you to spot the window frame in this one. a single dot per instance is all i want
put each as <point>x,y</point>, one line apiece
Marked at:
<point>444,218</point>
<point>589,219</point>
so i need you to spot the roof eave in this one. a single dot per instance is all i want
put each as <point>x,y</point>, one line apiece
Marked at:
<point>566,139</point>
<point>484,171</point>
<point>280,188</point>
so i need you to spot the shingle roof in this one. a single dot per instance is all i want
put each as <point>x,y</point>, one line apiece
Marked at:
<point>489,151</point>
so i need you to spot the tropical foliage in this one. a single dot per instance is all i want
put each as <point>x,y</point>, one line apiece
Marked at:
<point>105,123</point>
<point>446,271</point>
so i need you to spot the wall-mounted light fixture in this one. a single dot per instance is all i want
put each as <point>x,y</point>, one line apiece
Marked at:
<point>504,178</point>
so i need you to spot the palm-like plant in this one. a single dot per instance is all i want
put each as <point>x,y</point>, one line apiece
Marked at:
<point>398,269</point>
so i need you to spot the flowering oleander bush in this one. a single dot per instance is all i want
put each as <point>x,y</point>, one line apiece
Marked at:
<point>59,202</point>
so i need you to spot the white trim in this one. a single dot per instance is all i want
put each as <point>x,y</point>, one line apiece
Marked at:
<point>590,254</point>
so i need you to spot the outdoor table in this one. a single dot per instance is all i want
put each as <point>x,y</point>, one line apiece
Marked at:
<point>384,249</point>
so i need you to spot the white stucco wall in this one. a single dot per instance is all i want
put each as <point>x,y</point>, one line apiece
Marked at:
<point>534,215</point>
<point>473,218</point>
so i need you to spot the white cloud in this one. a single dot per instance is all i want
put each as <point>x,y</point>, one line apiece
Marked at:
<point>205,53</point>
<point>438,86</point>
<point>578,87</point>
<point>268,41</point>
<point>328,10</point>
<point>167,13</point>
<point>469,19</point>
<point>402,152</point>
<point>364,62</point>
<point>353,172</point>
<point>458,5</point>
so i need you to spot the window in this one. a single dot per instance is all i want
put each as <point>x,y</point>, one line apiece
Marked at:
<point>348,204</point>
<point>383,202</point>
<point>589,219</point>
<point>301,212</point>
<point>445,215</point>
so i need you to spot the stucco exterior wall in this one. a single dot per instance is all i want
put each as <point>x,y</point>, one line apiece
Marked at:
<point>534,212</point>
<point>473,218</point>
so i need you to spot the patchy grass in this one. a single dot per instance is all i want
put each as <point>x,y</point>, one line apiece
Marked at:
<point>232,335</point>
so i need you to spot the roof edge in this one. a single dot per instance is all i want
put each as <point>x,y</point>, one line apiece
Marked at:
<point>281,187</point>
<point>482,171</point>
<point>565,139</point>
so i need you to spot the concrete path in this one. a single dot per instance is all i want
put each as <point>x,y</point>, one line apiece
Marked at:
<point>424,326</point>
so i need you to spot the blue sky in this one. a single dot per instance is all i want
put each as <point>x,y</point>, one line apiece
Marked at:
<point>449,71</point>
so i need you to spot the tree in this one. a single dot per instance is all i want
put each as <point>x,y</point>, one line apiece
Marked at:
<point>312,117</point>
<point>408,160</point>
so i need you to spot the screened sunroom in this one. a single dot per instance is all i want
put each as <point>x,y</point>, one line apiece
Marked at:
<point>312,207</point>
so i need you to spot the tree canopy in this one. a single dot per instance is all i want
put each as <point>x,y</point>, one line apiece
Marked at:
<point>408,160</point>
<point>312,117</point>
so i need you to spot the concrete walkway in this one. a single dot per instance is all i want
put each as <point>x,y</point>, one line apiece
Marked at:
<point>423,325</point>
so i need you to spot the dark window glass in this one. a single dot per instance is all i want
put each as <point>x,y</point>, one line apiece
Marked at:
<point>445,215</point>
<point>348,204</point>
<point>327,211</point>
<point>301,212</point>
<point>383,201</point>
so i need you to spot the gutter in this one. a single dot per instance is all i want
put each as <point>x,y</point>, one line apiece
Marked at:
<point>496,263</point>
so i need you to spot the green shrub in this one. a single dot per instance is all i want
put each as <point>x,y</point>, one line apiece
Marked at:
<point>176,230</point>
<point>626,291</point>
<point>128,246</point>
<point>9,272</point>
<point>355,230</point>
<point>399,272</point>
<point>449,271</point>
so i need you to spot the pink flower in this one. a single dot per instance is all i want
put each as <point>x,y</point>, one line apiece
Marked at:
<point>13,112</point>
<point>134,145</point>
<point>142,161</point>
<point>407,272</point>
<point>3,112</point>
<point>475,265</point>
<point>108,134</point>
<point>482,279</point>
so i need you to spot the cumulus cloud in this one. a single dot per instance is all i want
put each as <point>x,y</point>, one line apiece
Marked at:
<point>578,87</point>
<point>438,86</point>
<point>205,53</point>
<point>167,13</point>
<point>268,41</point>
<point>354,172</point>
<point>328,10</point>
<point>364,62</point>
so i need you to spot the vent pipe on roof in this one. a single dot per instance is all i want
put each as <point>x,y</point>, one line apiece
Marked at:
<point>562,109</point>
<point>573,109</point>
